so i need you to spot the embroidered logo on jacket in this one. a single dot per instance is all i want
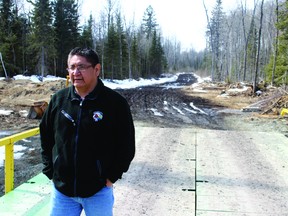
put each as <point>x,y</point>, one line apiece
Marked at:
<point>97,116</point>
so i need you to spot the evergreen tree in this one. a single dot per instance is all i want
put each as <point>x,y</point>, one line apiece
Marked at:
<point>148,27</point>
<point>135,63</point>
<point>18,42</point>
<point>5,18</point>
<point>216,39</point>
<point>86,38</point>
<point>123,69</point>
<point>116,55</point>
<point>156,56</point>
<point>23,26</point>
<point>149,21</point>
<point>42,50</point>
<point>280,76</point>
<point>67,31</point>
<point>13,30</point>
<point>112,50</point>
<point>9,33</point>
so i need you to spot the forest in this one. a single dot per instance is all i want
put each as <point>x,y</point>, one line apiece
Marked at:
<point>243,45</point>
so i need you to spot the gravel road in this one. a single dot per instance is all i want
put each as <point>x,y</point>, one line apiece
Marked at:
<point>244,173</point>
<point>207,161</point>
<point>188,171</point>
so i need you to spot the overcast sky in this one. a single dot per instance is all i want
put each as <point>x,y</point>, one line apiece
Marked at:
<point>184,20</point>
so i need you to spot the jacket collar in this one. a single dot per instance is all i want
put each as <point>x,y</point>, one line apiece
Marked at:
<point>72,95</point>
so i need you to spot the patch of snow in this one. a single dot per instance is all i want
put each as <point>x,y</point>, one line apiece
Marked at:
<point>6,112</point>
<point>156,112</point>
<point>192,111</point>
<point>196,108</point>
<point>178,110</point>
<point>23,113</point>
<point>18,152</point>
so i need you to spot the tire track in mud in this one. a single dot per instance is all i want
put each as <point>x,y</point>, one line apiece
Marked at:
<point>170,107</point>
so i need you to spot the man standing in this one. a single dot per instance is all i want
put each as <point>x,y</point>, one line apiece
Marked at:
<point>87,140</point>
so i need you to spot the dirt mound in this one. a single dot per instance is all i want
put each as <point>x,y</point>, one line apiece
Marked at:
<point>26,92</point>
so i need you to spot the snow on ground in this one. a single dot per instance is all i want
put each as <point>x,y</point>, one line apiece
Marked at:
<point>114,84</point>
<point>19,150</point>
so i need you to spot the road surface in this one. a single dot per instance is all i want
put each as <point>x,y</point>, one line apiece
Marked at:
<point>188,171</point>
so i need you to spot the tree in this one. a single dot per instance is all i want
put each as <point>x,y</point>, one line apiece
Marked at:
<point>86,38</point>
<point>216,40</point>
<point>112,50</point>
<point>276,44</point>
<point>122,47</point>
<point>149,21</point>
<point>258,49</point>
<point>116,50</point>
<point>41,49</point>
<point>67,32</point>
<point>172,52</point>
<point>149,42</point>
<point>131,48</point>
<point>281,67</point>
<point>101,38</point>
<point>156,56</point>
<point>247,36</point>
<point>10,31</point>
<point>135,58</point>
<point>5,18</point>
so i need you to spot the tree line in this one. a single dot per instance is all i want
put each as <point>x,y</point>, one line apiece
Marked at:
<point>39,41</point>
<point>249,44</point>
<point>242,45</point>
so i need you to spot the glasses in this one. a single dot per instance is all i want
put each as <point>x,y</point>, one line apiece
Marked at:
<point>81,68</point>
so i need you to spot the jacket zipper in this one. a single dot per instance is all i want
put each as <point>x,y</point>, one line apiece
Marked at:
<point>68,117</point>
<point>76,147</point>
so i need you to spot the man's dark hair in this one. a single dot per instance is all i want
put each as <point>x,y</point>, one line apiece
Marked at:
<point>87,53</point>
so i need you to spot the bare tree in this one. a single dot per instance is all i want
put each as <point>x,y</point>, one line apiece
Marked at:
<point>2,62</point>
<point>129,31</point>
<point>109,9</point>
<point>276,44</point>
<point>210,40</point>
<point>247,35</point>
<point>258,48</point>
<point>101,34</point>
<point>120,41</point>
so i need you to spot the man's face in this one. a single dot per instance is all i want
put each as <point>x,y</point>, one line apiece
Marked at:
<point>82,74</point>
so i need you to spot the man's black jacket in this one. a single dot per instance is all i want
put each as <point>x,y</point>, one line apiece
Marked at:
<point>84,142</point>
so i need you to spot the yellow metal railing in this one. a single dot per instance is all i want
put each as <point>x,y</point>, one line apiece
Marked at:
<point>8,142</point>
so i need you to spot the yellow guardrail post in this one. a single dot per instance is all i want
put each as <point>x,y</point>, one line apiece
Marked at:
<point>9,167</point>
<point>67,80</point>
<point>8,142</point>
<point>284,111</point>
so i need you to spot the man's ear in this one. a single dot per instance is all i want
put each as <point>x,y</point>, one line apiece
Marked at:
<point>98,69</point>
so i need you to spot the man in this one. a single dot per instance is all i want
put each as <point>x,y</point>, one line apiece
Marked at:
<point>87,140</point>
